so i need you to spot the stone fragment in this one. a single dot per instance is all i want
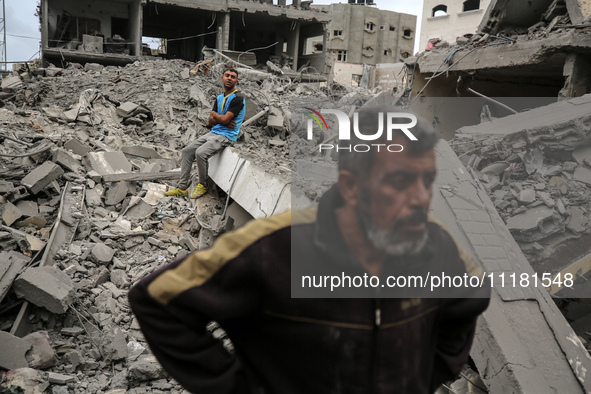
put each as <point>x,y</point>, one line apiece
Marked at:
<point>27,207</point>
<point>146,368</point>
<point>42,176</point>
<point>188,241</point>
<point>527,196</point>
<point>275,119</point>
<point>582,174</point>
<point>577,222</point>
<point>139,209</point>
<point>185,73</point>
<point>115,345</point>
<point>47,287</point>
<point>102,254</point>
<point>10,83</point>
<point>105,163</point>
<point>545,197</point>
<point>462,41</point>
<point>60,390</point>
<point>58,378</point>
<point>41,355</point>
<point>140,151</point>
<point>92,198</point>
<point>13,351</point>
<point>560,206</point>
<point>11,214</point>
<point>93,67</point>
<point>116,193</point>
<point>71,331</point>
<point>557,181</point>
<point>66,160</point>
<point>167,87</point>
<point>126,109</point>
<point>77,147</point>
<point>120,278</point>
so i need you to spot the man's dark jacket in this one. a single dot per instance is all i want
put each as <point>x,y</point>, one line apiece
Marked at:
<point>302,345</point>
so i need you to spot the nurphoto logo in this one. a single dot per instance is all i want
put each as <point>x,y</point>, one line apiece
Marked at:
<point>344,134</point>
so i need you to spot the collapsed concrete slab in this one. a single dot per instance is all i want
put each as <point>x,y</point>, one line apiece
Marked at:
<point>579,11</point>
<point>108,162</point>
<point>236,176</point>
<point>507,347</point>
<point>12,265</point>
<point>47,287</point>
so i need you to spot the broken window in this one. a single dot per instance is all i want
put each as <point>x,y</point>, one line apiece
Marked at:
<point>440,10</point>
<point>392,28</point>
<point>388,52</point>
<point>355,79</point>
<point>471,5</point>
<point>407,33</point>
<point>338,33</point>
<point>342,56</point>
<point>370,26</point>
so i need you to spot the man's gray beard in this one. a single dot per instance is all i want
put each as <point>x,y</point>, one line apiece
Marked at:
<point>389,241</point>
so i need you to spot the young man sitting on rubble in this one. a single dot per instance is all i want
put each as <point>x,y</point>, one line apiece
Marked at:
<point>226,117</point>
<point>359,340</point>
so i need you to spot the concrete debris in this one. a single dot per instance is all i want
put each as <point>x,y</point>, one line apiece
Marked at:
<point>41,355</point>
<point>117,147</point>
<point>13,351</point>
<point>47,287</point>
<point>29,380</point>
<point>42,176</point>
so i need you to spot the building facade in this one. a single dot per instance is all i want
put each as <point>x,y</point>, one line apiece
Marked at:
<point>449,19</point>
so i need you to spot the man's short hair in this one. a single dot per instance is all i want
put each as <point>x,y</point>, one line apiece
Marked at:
<point>360,163</point>
<point>232,70</point>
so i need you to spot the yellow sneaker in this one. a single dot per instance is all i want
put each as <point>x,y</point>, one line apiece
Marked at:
<point>177,192</point>
<point>199,191</point>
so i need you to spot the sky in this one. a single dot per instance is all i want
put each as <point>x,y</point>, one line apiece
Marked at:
<point>21,21</point>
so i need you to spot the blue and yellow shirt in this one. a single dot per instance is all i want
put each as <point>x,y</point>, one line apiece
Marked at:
<point>235,103</point>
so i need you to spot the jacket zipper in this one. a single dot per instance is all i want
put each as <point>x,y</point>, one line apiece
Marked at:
<point>377,322</point>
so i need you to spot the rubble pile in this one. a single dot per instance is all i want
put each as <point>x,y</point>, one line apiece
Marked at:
<point>539,181</point>
<point>85,156</point>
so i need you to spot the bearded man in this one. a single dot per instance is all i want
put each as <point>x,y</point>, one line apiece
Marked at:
<point>362,336</point>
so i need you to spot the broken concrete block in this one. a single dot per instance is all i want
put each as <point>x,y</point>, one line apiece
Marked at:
<point>35,243</point>
<point>28,208</point>
<point>92,43</point>
<point>93,199</point>
<point>535,224</point>
<point>36,221</point>
<point>66,160</point>
<point>275,119</point>
<point>12,263</point>
<point>577,222</point>
<point>126,109</point>
<point>71,331</point>
<point>41,355</point>
<point>527,196</point>
<point>579,11</point>
<point>77,147</point>
<point>141,151</point>
<point>545,197</point>
<point>11,83</point>
<point>120,279</point>
<point>42,176</point>
<point>582,174</point>
<point>13,351</point>
<point>188,241</point>
<point>94,176</point>
<point>47,287</point>
<point>93,67</point>
<point>102,253</point>
<point>108,163</point>
<point>277,142</point>
<point>116,193</point>
<point>462,41</point>
<point>6,186</point>
<point>58,378</point>
<point>139,209</point>
<point>115,345</point>
<point>560,207</point>
<point>11,214</point>
<point>185,73</point>
<point>167,87</point>
<point>146,368</point>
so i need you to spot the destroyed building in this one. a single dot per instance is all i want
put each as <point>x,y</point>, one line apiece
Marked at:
<point>110,32</point>
<point>447,20</point>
